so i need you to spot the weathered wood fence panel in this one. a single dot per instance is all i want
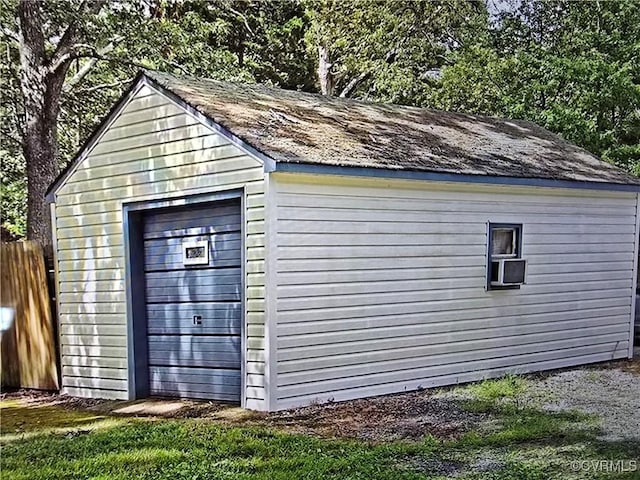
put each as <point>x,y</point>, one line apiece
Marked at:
<point>28,336</point>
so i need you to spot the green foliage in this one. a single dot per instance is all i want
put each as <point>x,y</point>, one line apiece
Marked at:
<point>12,168</point>
<point>395,44</point>
<point>14,208</point>
<point>231,40</point>
<point>572,67</point>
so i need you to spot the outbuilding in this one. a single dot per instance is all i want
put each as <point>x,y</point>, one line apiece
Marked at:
<point>274,248</point>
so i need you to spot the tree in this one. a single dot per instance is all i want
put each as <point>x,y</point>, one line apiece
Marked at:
<point>45,53</point>
<point>68,62</point>
<point>572,67</point>
<point>12,170</point>
<point>388,50</point>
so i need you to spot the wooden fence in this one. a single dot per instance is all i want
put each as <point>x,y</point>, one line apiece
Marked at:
<point>28,349</point>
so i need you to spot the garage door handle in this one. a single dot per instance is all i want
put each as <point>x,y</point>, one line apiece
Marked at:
<point>197,319</point>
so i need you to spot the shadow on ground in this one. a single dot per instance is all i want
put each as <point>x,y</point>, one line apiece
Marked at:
<point>486,430</point>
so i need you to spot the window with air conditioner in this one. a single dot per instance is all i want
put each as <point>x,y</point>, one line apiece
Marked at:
<point>506,269</point>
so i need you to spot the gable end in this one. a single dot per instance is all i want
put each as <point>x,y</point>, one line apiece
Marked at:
<point>138,84</point>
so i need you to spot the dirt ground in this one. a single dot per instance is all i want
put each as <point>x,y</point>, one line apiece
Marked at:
<point>410,416</point>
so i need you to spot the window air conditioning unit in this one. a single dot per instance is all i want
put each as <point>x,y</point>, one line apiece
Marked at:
<point>510,271</point>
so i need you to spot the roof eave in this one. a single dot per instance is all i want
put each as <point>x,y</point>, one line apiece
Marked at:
<point>319,169</point>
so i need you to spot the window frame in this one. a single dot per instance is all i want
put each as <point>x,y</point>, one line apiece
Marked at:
<point>491,226</point>
<point>195,261</point>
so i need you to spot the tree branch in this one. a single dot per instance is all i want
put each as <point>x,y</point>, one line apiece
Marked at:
<point>179,67</point>
<point>67,46</point>
<point>242,16</point>
<point>353,84</point>
<point>85,69</point>
<point>106,85</point>
<point>10,34</point>
<point>80,74</point>
<point>72,52</point>
<point>356,81</point>
<point>94,58</point>
<point>64,48</point>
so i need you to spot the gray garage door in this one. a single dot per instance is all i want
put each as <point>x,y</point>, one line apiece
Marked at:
<point>193,301</point>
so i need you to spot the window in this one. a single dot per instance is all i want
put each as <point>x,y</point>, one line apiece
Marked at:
<point>504,242</point>
<point>505,267</point>
<point>195,252</point>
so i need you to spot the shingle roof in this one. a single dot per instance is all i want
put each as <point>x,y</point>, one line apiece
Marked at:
<point>290,126</point>
<point>301,128</point>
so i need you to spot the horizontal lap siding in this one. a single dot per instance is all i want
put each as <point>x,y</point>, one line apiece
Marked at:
<point>153,150</point>
<point>381,285</point>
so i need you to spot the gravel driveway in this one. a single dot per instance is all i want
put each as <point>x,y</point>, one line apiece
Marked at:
<point>613,395</point>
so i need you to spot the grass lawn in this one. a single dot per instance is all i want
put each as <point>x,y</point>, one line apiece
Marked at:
<point>516,442</point>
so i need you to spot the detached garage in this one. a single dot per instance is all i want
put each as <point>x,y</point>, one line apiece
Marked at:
<point>274,248</point>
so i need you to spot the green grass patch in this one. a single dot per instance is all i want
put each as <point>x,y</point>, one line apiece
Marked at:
<point>491,390</point>
<point>188,449</point>
<point>525,425</point>
<point>48,442</point>
<point>538,444</point>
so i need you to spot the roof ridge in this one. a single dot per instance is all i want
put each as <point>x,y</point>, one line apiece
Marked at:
<point>155,74</point>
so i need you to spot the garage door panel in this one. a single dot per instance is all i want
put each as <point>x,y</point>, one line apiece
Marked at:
<point>187,328</point>
<point>165,222</point>
<point>200,359</point>
<point>168,319</point>
<point>195,375</point>
<point>191,390</point>
<point>218,293</point>
<point>217,259</point>
<point>181,326</point>
<point>196,392</point>
<point>185,311</point>
<point>175,242</point>
<point>195,231</point>
<point>211,383</point>
<point>179,228</point>
<point>173,246</point>
<point>199,278</point>
<point>195,343</point>
<point>196,216</point>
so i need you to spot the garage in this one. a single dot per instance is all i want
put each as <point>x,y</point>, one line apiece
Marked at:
<point>273,249</point>
<point>192,270</point>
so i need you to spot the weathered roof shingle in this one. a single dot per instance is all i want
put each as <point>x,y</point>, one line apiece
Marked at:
<point>290,126</point>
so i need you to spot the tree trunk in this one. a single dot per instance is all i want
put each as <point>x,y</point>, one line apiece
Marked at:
<point>41,90</point>
<point>327,85</point>
<point>42,107</point>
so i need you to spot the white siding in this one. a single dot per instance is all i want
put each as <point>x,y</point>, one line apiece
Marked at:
<point>381,284</point>
<point>153,150</point>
